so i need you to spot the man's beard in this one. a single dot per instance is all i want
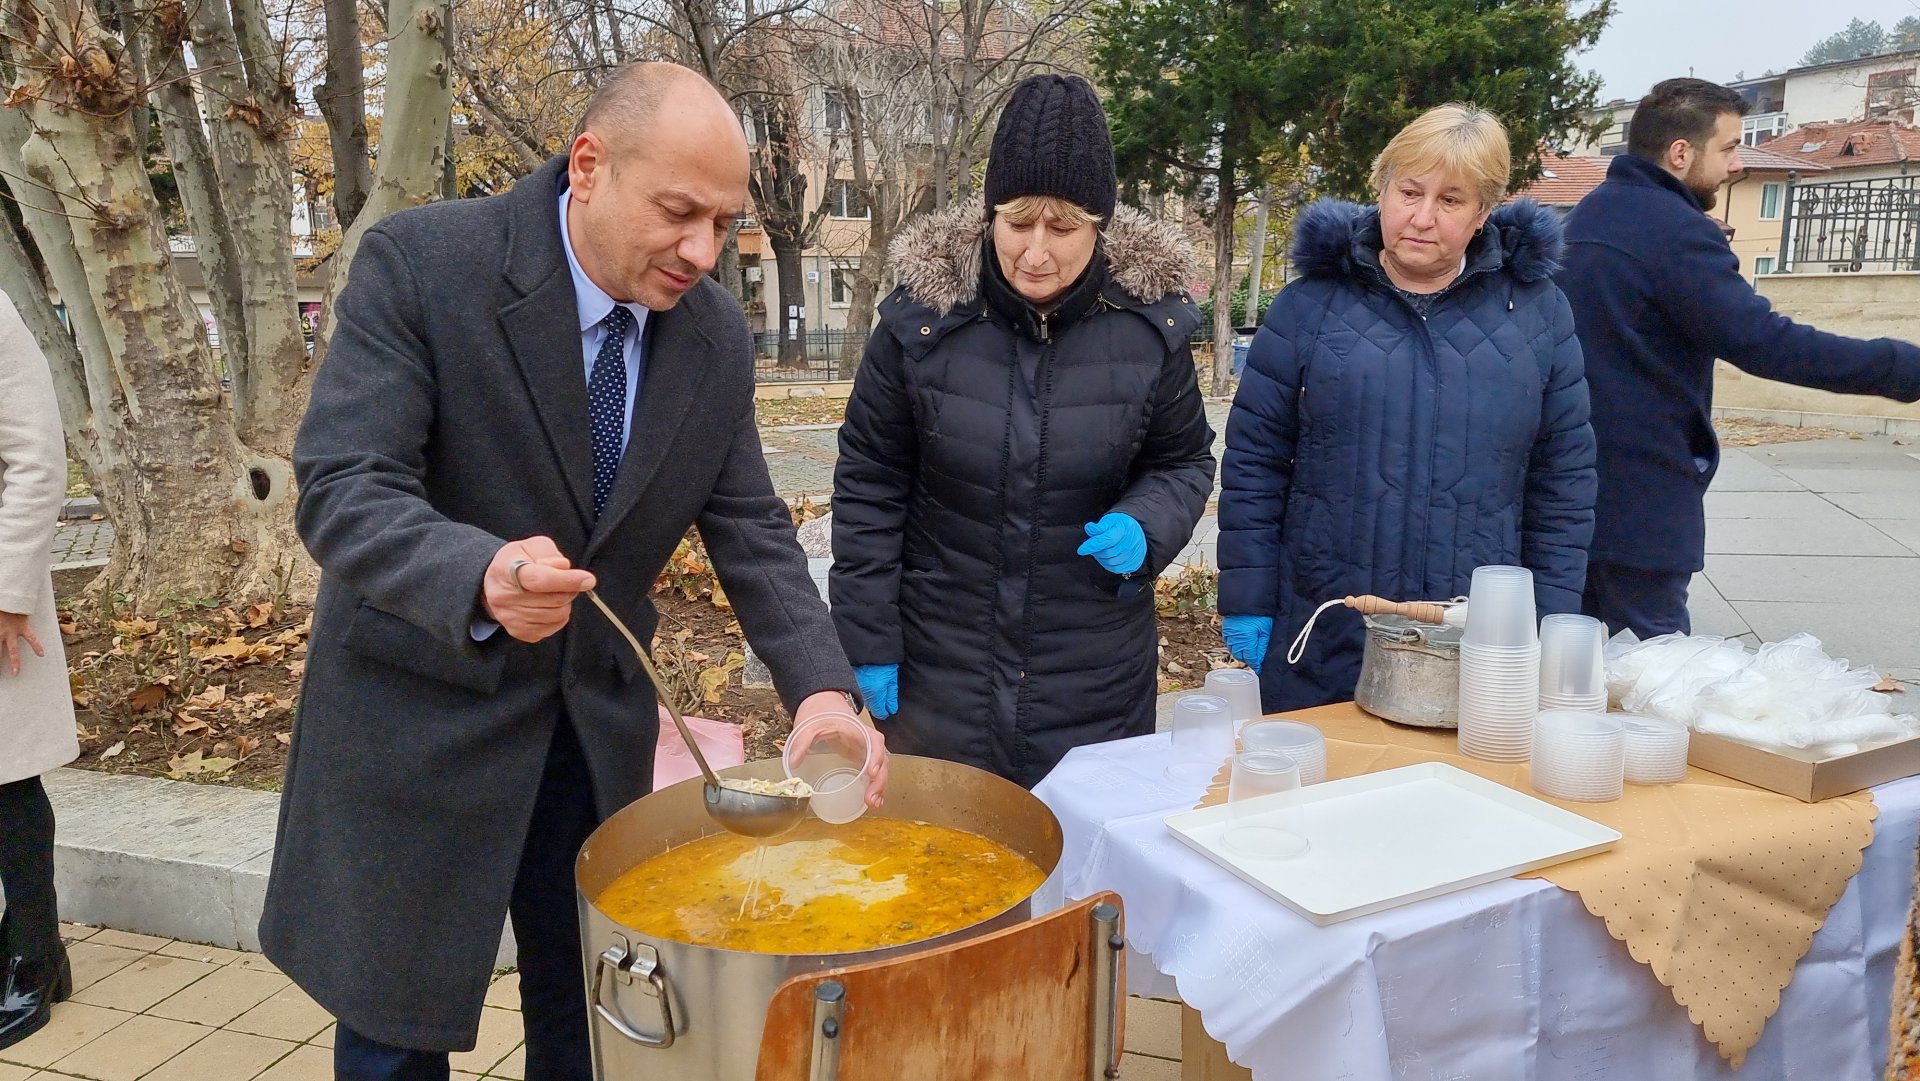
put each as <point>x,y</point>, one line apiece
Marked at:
<point>1709,196</point>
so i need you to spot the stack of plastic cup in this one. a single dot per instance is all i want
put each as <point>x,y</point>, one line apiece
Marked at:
<point>1499,666</point>
<point>1656,749</point>
<point>1241,688</point>
<point>1301,742</point>
<point>1573,672</point>
<point>1579,756</point>
<point>1202,738</point>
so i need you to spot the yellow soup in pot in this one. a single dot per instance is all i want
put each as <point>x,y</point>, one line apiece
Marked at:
<point>870,883</point>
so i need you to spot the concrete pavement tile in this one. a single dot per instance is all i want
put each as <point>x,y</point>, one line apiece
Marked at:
<point>144,943</point>
<point>304,1064</point>
<point>143,984</point>
<point>1142,1068</point>
<point>15,1073</point>
<point>132,1050</point>
<point>193,951</point>
<point>500,1033</point>
<point>1907,533</point>
<point>1153,1027</point>
<point>1877,505</point>
<point>325,1038</point>
<point>513,1067</point>
<point>224,1056</point>
<point>93,962</point>
<point>505,992</point>
<point>1867,452</point>
<point>1872,583</point>
<point>1710,612</point>
<point>1739,472</point>
<point>1795,536</point>
<point>77,932</point>
<point>256,962</point>
<point>73,1026</point>
<point>221,997</point>
<point>1874,481</point>
<point>287,1014</point>
<point>1887,640</point>
<point>1805,506</point>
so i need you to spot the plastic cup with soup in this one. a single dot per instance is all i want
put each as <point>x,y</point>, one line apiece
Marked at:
<point>833,753</point>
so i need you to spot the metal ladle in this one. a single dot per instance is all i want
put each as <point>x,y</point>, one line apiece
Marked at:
<point>750,814</point>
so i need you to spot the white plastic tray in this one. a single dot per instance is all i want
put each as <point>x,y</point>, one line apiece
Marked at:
<point>1386,839</point>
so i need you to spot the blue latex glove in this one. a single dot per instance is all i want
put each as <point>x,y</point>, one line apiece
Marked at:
<point>1247,638</point>
<point>880,686</point>
<point>1117,541</point>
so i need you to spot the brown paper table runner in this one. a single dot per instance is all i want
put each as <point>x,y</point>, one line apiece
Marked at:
<point>1716,886</point>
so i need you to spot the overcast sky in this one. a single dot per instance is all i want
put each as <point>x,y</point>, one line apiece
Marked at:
<point>1650,40</point>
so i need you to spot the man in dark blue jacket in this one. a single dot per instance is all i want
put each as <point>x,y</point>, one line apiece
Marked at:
<point>1657,295</point>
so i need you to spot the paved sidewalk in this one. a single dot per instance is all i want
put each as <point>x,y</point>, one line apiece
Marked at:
<point>155,1009</point>
<point>79,544</point>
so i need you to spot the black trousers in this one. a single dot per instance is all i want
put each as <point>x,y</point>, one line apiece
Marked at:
<point>546,932</point>
<point>31,928</point>
<point>1650,602</point>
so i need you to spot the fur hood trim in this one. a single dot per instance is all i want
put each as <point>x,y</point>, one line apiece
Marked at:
<point>1328,235</point>
<point>938,255</point>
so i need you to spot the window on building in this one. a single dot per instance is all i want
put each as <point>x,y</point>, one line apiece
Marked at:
<point>1888,91</point>
<point>836,111</point>
<point>1770,195</point>
<point>1755,130</point>
<point>1763,265</point>
<point>840,287</point>
<point>844,200</point>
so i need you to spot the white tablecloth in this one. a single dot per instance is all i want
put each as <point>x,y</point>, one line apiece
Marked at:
<point>1511,980</point>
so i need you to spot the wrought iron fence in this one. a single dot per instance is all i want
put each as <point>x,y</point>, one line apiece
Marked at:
<point>820,355</point>
<point>1851,225</point>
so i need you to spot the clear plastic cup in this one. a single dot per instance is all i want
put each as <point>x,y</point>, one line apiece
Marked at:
<point>1241,688</point>
<point>1572,661</point>
<point>833,752</point>
<point>1500,609</point>
<point>1301,742</point>
<point>1265,819</point>
<point>1656,750</point>
<point>1579,756</point>
<point>1202,737</point>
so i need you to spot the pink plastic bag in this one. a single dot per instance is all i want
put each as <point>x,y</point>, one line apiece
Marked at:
<point>718,740</point>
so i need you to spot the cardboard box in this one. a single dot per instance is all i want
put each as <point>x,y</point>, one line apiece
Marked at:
<point>1804,775</point>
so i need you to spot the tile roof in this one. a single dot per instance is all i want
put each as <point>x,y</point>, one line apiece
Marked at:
<point>1850,146</point>
<point>1754,159</point>
<point>1565,181</point>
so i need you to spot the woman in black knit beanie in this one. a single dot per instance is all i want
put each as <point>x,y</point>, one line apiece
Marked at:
<point>1024,451</point>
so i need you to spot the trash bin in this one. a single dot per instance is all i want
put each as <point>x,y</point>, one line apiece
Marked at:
<point>1242,341</point>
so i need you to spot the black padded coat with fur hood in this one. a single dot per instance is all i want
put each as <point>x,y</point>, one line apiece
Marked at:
<point>980,439</point>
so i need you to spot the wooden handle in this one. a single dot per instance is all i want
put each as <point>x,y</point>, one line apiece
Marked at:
<point>1418,611</point>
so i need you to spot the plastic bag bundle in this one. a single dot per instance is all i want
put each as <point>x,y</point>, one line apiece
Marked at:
<point>1787,693</point>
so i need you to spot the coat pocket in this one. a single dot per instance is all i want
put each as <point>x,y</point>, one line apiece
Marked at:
<point>386,638</point>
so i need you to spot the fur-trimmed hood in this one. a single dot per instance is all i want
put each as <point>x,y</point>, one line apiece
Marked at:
<point>938,256</point>
<point>1332,238</point>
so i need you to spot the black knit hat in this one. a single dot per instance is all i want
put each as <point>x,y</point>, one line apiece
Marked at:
<point>1053,140</point>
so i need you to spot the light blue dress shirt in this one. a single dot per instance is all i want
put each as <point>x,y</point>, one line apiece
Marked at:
<point>593,304</point>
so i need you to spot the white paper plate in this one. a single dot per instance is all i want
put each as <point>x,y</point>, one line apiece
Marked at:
<point>1386,839</point>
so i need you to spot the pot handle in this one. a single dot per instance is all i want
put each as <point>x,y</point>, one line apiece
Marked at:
<point>627,966</point>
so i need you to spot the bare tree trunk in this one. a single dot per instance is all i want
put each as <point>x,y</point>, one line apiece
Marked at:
<point>252,109</point>
<point>792,317</point>
<point>342,98</point>
<point>1226,207</point>
<point>413,135</point>
<point>200,193</point>
<point>727,269</point>
<point>180,482</point>
<point>1258,258</point>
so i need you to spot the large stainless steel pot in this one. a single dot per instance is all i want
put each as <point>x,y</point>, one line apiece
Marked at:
<point>677,1012</point>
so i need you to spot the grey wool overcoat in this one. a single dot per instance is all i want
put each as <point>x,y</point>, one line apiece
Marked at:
<point>449,417</point>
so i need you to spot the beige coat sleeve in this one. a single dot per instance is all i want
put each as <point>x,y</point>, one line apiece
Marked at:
<point>36,706</point>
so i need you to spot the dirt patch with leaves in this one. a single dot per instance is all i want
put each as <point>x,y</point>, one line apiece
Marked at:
<point>206,693</point>
<point>773,412</point>
<point>1747,432</point>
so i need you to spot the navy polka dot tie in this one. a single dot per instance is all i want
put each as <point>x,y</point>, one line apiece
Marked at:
<point>607,403</point>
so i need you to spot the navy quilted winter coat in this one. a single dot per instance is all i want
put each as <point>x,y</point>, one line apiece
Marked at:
<point>1370,450</point>
<point>979,440</point>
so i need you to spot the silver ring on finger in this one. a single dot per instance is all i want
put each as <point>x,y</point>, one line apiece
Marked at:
<point>513,572</point>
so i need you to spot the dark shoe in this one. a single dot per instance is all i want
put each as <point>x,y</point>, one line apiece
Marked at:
<point>31,989</point>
